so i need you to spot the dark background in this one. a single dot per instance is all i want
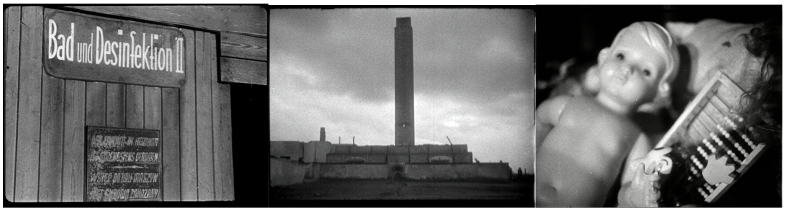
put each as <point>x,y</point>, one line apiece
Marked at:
<point>250,120</point>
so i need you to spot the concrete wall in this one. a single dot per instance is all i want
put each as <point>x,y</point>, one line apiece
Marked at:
<point>285,172</point>
<point>311,171</point>
<point>398,158</point>
<point>378,149</point>
<point>343,158</point>
<point>360,150</point>
<point>315,151</point>
<point>336,158</point>
<point>418,158</point>
<point>340,153</point>
<point>322,148</point>
<point>377,158</point>
<point>309,152</point>
<point>340,148</point>
<point>440,159</point>
<point>483,171</point>
<point>439,149</point>
<point>418,149</point>
<point>354,171</point>
<point>463,157</point>
<point>293,149</point>
<point>398,150</point>
<point>459,148</point>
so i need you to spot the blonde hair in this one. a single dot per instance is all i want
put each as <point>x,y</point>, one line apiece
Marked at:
<point>659,39</point>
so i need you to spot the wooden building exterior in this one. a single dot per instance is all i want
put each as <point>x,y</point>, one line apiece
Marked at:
<point>45,117</point>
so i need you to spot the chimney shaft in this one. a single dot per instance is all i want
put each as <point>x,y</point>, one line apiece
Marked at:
<point>404,82</point>
<point>323,135</point>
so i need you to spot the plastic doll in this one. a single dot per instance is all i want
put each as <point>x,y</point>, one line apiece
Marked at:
<point>582,142</point>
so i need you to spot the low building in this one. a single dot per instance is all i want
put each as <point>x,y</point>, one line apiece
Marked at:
<point>295,162</point>
<point>326,152</point>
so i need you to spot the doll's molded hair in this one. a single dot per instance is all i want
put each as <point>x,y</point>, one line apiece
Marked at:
<point>659,38</point>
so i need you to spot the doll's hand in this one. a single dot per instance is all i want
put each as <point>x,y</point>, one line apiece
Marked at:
<point>642,191</point>
<point>655,160</point>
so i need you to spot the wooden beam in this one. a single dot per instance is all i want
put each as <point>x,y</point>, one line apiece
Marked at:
<point>247,19</point>
<point>243,71</point>
<point>243,46</point>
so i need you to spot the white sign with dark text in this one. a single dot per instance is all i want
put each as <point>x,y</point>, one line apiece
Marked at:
<point>79,46</point>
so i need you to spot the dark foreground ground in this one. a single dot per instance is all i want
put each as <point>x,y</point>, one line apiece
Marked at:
<point>402,190</point>
<point>520,193</point>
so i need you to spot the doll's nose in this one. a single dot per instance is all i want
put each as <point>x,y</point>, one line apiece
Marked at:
<point>630,69</point>
<point>626,69</point>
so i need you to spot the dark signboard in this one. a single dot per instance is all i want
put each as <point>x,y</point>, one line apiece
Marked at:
<point>123,165</point>
<point>85,47</point>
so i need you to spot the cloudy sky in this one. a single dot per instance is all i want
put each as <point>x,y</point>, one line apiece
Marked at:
<point>473,78</point>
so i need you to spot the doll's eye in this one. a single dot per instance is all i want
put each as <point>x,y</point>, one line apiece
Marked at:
<point>646,72</point>
<point>620,56</point>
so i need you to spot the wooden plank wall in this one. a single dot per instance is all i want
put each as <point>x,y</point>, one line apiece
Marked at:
<point>45,118</point>
<point>242,29</point>
<point>12,18</point>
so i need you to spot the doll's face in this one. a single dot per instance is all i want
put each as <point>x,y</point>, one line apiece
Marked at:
<point>631,70</point>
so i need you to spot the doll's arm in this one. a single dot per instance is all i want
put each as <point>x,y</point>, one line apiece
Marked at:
<point>548,115</point>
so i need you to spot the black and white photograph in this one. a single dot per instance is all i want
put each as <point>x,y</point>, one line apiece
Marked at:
<point>658,106</point>
<point>283,107</point>
<point>134,105</point>
<point>402,104</point>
